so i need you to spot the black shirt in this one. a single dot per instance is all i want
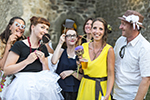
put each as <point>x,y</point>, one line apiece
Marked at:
<point>70,83</point>
<point>23,51</point>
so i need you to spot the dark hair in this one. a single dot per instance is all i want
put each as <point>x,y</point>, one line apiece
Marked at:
<point>7,32</point>
<point>106,30</point>
<point>139,28</point>
<point>36,20</point>
<point>85,24</point>
<point>136,26</point>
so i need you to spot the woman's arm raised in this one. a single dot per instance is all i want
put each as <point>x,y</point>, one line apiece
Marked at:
<point>12,38</point>
<point>58,51</point>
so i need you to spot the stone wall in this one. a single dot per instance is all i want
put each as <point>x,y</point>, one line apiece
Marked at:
<point>9,8</point>
<point>56,11</point>
<point>112,9</point>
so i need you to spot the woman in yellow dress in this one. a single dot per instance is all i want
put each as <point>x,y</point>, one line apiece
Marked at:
<point>98,77</point>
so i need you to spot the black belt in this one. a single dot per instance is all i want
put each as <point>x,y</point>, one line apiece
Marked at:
<point>98,86</point>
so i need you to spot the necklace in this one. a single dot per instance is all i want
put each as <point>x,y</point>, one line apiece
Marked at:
<point>100,50</point>
<point>30,44</point>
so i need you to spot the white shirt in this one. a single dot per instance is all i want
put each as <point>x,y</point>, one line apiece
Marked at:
<point>50,44</point>
<point>130,69</point>
<point>51,66</point>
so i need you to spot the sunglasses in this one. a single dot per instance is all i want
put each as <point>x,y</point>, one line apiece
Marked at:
<point>122,51</point>
<point>71,36</point>
<point>19,25</point>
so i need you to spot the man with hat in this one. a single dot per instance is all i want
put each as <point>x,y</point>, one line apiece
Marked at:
<point>132,59</point>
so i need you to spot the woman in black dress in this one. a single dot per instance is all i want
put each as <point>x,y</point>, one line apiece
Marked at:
<point>69,81</point>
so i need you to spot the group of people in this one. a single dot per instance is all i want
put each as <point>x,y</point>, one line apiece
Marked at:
<point>119,73</point>
<point>32,79</point>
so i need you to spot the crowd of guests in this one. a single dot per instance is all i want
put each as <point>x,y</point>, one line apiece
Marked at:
<point>29,72</point>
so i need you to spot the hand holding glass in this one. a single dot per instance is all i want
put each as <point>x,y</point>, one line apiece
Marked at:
<point>84,63</point>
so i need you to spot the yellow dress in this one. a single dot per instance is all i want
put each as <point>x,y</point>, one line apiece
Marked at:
<point>96,68</point>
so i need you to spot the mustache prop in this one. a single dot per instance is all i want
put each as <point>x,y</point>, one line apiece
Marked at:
<point>45,39</point>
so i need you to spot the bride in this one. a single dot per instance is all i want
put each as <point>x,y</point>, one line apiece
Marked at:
<point>34,80</point>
